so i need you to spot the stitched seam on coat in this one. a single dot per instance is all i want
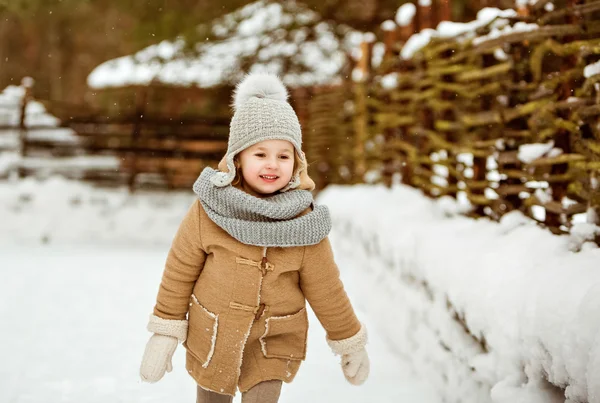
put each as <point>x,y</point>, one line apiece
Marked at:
<point>213,340</point>
<point>200,226</point>
<point>239,368</point>
<point>210,390</point>
<point>303,255</point>
<point>261,339</point>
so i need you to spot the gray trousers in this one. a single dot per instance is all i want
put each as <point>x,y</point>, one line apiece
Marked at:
<point>264,392</point>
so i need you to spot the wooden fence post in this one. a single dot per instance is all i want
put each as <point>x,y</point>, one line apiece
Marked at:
<point>444,10</point>
<point>360,128</point>
<point>407,22</point>
<point>364,64</point>
<point>425,15</point>
<point>27,83</point>
<point>390,38</point>
<point>140,107</point>
<point>554,220</point>
<point>361,119</point>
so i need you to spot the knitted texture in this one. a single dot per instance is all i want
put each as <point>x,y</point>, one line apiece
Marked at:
<point>261,113</point>
<point>351,344</point>
<point>168,327</point>
<point>269,221</point>
<point>157,357</point>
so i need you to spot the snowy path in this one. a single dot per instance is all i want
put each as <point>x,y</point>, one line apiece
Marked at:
<point>73,330</point>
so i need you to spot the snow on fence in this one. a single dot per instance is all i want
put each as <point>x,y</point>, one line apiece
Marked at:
<point>129,143</point>
<point>502,112</point>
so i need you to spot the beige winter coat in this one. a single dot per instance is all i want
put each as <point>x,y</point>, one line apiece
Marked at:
<point>247,315</point>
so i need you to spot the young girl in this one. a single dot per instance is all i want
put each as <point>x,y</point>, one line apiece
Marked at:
<point>248,254</point>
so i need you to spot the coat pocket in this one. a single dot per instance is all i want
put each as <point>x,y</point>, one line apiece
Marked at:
<point>285,336</point>
<point>202,332</point>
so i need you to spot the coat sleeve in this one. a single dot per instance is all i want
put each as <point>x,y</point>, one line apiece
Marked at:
<point>183,266</point>
<point>321,284</point>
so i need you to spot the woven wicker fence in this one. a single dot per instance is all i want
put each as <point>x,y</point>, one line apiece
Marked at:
<point>509,122</point>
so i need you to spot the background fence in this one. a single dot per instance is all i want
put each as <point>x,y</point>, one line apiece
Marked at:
<point>507,118</point>
<point>504,114</point>
<point>136,141</point>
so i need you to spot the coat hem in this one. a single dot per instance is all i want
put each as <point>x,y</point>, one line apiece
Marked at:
<point>256,381</point>
<point>214,391</point>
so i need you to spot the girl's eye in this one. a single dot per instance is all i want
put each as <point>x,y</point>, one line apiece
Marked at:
<point>285,157</point>
<point>260,154</point>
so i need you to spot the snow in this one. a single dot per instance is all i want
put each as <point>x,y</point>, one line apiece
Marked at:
<point>388,25</point>
<point>258,29</point>
<point>525,3</point>
<point>83,214</point>
<point>11,99</point>
<point>531,152</point>
<point>390,80</point>
<point>41,126</point>
<point>417,42</point>
<point>358,75</point>
<point>499,54</point>
<point>496,18</point>
<point>378,52</point>
<point>542,195</point>
<point>369,37</point>
<point>418,273</point>
<point>85,265</point>
<point>506,30</point>
<point>98,162</point>
<point>405,14</point>
<point>522,288</point>
<point>591,69</point>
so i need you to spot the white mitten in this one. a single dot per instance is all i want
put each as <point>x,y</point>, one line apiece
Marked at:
<point>356,367</point>
<point>161,346</point>
<point>355,361</point>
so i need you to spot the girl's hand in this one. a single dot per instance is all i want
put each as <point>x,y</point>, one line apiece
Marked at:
<point>356,367</point>
<point>161,346</point>
<point>355,360</point>
<point>157,357</point>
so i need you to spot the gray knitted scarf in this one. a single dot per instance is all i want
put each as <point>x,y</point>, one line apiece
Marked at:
<point>269,221</point>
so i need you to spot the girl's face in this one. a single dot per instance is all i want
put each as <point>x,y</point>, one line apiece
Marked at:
<point>267,166</point>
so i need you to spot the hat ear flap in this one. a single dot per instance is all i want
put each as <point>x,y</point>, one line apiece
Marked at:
<point>300,179</point>
<point>226,172</point>
<point>223,165</point>
<point>306,183</point>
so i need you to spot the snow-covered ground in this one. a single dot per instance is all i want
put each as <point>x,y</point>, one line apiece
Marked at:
<point>74,331</point>
<point>480,311</point>
<point>80,269</point>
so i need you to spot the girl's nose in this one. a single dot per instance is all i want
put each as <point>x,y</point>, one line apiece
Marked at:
<point>271,162</point>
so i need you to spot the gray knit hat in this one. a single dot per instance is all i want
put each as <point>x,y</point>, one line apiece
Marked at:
<point>261,112</point>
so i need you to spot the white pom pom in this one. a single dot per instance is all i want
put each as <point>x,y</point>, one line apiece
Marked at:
<point>260,85</point>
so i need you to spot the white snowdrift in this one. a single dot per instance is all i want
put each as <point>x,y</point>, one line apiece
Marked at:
<point>514,284</point>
